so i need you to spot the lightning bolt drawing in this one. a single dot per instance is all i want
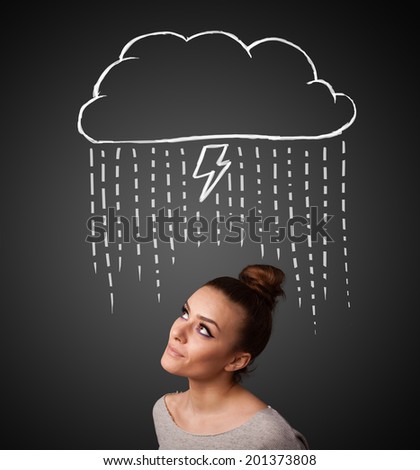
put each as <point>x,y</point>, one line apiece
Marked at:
<point>211,179</point>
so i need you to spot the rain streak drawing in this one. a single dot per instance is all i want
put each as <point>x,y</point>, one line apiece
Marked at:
<point>207,140</point>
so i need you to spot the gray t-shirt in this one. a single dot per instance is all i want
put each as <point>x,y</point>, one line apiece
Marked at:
<point>267,429</point>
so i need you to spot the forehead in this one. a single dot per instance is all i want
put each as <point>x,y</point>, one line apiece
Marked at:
<point>213,303</point>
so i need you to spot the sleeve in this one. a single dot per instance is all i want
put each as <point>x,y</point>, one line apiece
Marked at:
<point>279,435</point>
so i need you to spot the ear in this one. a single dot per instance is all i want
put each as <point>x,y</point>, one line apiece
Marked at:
<point>240,361</point>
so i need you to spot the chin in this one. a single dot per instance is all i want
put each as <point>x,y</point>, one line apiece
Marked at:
<point>168,364</point>
<point>163,363</point>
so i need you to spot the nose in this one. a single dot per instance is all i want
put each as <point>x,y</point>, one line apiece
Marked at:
<point>179,331</point>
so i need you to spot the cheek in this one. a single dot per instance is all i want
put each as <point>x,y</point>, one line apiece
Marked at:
<point>205,351</point>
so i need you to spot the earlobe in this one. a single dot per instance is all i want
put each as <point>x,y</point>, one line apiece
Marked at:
<point>240,361</point>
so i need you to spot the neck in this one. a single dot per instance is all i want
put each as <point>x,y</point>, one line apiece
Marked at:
<point>207,397</point>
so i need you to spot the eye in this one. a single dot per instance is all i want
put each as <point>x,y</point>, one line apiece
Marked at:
<point>203,330</point>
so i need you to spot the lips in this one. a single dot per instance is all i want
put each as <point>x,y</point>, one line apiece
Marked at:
<point>173,351</point>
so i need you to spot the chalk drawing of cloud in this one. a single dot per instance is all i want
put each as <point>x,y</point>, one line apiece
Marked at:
<point>166,87</point>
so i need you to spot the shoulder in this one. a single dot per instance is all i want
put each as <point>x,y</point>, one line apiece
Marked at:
<point>159,405</point>
<point>247,404</point>
<point>275,432</point>
<point>172,398</point>
<point>165,403</point>
<point>161,416</point>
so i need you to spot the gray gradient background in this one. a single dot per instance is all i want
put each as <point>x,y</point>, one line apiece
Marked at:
<point>74,376</point>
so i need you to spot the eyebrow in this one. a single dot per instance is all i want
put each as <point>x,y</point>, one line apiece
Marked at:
<point>201,317</point>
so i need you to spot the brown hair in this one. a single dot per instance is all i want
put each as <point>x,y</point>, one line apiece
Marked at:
<point>256,291</point>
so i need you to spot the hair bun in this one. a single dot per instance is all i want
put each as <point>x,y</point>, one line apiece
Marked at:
<point>265,279</point>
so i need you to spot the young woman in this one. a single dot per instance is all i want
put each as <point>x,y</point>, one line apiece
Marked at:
<point>222,328</point>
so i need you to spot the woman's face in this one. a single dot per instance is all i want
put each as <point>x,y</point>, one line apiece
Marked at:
<point>202,339</point>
